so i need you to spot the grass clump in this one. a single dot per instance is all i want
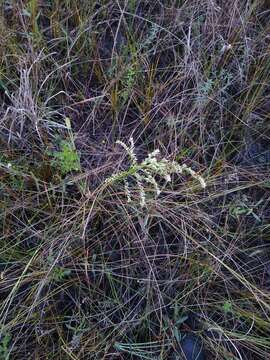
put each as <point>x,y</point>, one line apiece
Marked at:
<point>108,256</point>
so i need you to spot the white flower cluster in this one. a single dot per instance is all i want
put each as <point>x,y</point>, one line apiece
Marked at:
<point>146,171</point>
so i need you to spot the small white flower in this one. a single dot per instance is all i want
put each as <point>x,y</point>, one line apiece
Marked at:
<point>225,48</point>
<point>151,180</point>
<point>202,182</point>
<point>139,180</point>
<point>127,192</point>
<point>68,123</point>
<point>132,145</point>
<point>153,154</point>
<point>130,150</point>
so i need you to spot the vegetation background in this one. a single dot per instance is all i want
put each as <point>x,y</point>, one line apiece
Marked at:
<point>85,274</point>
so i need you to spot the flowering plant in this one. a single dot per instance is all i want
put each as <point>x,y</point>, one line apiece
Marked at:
<point>146,171</point>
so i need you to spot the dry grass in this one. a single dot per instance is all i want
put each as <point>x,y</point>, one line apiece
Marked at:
<point>83,273</point>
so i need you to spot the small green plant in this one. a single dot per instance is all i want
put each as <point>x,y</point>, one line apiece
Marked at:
<point>128,82</point>
<point>242,208</point>
<point>132,6</point>
<point>5,338</point>
<point>59,273</point>
<point>227,307</point>
<point>266,184</point>
<point>147,170</point>
<point>179,317</point>
<point>67,158</point>
<point>81,327</point>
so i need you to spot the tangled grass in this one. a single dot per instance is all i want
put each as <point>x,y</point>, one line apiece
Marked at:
<point>84,272</point>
